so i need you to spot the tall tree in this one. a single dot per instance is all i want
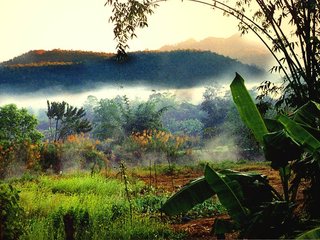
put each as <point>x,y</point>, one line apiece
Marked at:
<point>216,108</point>
<point>17,126</point>
<point>18,130</point>
<point>117,118</point>
<point>108,119</point>
<point>288,28</point>
<point>68,120</point>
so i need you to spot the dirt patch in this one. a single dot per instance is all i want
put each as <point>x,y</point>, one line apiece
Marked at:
<point>200,229</point>
<point>171,182</point>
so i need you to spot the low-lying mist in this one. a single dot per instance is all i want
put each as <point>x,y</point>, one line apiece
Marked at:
<point>37,99</point>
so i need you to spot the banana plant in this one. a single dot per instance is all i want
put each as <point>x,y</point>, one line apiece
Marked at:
<point>291,143</point>
<point>311,234</point>
<point>248,198</point>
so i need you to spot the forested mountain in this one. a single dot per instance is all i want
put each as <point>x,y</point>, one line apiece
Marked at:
<point>74,70</point>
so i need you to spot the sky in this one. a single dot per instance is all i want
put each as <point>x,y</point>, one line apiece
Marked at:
<point>84,25</point>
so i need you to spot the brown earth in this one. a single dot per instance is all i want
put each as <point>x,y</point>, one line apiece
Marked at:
<point>200,229</point>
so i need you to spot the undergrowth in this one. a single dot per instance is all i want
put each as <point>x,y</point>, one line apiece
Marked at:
<point>89,207</point>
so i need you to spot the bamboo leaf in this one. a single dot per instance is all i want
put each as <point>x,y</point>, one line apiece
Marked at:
<point>229,193</point>
<point>190,195</point>
<point>247,109</point>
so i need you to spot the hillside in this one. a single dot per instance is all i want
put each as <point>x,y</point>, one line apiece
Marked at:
<point>235,47</point>
<point>74,70</point>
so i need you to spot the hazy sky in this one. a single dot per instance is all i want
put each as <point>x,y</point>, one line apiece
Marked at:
<point>83,25</point>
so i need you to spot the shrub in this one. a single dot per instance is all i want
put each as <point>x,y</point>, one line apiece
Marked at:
<point>76,152</point>
<point>11,224</point>
<point>16,158</point>
<point>19,139</point>
<point>51,156</point>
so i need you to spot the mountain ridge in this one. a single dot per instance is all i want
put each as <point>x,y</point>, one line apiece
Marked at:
<point>234,46</point>
<point>73,70</point>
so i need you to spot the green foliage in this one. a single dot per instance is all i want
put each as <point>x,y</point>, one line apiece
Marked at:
<point>190,195</point>
<point>249,199</point>
<point>311,234</point>
<point>77,152</point>
<point>144,117</point>
<point>229,192</point>
<point>129,16</point>
<point>19,139</point>
<point>247,146</point>
<point>118,118</point>
<point>210,207</point>
<point>17,126</point>
<point>216,109</point>
<point>87,207</point>
<point>190,127</point>
<point>247,109</point>
<point>51,156</point>
<point>108,119</point>
<point>181,118</point>
<point>11,213</point>
<point>257,210</point>
<point>292,148</point>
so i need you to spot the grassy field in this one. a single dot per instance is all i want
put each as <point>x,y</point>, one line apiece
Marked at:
<point>84,206</point>
<point>92,207</point>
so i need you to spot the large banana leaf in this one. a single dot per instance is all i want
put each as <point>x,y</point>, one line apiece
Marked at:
<point>255,187</point>
<point>280,148</point>
<point>312,234</point>
<point>247,109</point>
<point>273,125</point>
<point>190,195</point>
<point>308,114</point>
<point>229,193</point>
<point>299,134</point>
<point>267,221</point>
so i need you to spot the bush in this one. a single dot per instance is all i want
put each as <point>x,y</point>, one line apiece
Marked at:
<point>16,158</point>
<point>11,214</point>
<point>51,156</point>
<point>76,152</point>
<point>19,140</point>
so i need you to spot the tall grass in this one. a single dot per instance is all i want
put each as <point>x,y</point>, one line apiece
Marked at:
<point>89,207</point>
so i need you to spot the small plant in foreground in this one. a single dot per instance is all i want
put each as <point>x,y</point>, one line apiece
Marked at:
<point>11,214</point>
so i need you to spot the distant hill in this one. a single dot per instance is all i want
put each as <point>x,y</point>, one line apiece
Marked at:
<point>74,70</point>
<point>235,47</point>
<point>56,55</point>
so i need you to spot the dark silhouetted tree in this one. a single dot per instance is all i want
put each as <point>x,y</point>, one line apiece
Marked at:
<point>67,119</point>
